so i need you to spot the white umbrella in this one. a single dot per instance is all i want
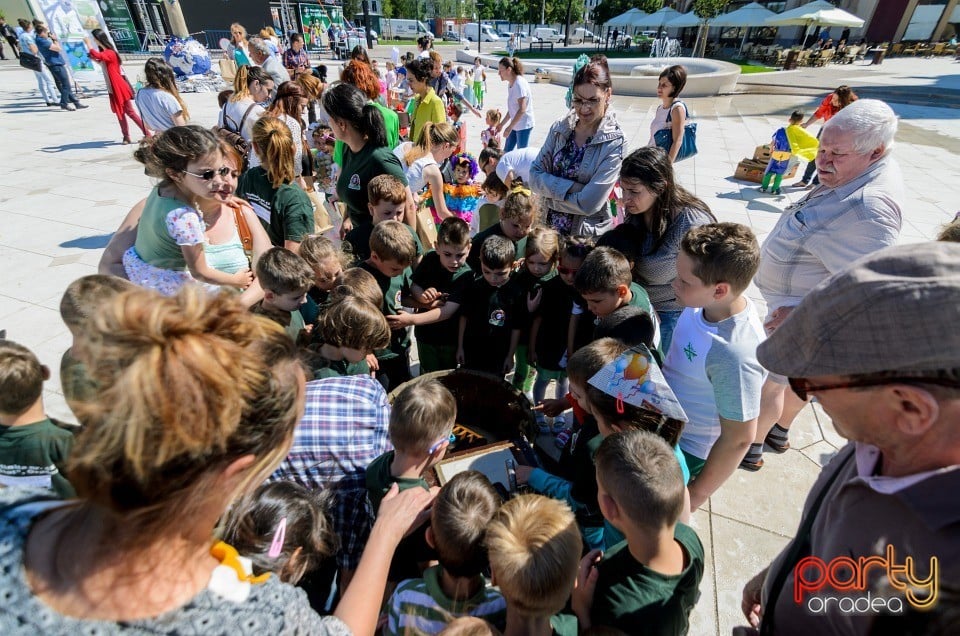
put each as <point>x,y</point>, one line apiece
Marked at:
<point>623,20</point>
<point>658,19</point>
<point>751,15</point>
<point>819,13</point>
<point>686,20</point>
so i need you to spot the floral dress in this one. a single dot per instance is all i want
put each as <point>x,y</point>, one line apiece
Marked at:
<point>566,164</point>
<point>186,227</point>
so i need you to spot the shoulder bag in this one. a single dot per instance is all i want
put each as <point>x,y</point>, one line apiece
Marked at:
<point>243,230</point>
<point>664,138</point>
<point>30,61</point>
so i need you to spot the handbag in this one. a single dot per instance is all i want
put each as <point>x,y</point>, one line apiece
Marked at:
<point>228,70</point>
<point>321,217</point>
<point>663,138</point>
<point>426,227</point>
<point>31,61</point>
<point>243,230</point>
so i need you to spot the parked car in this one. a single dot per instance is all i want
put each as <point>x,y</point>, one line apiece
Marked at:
<point>582,35</point>
<point>451,36</point>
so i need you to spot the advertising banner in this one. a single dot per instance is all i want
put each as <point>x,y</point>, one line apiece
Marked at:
<point>313,22</point>
<point>72,20</point>
<point>120,23</point>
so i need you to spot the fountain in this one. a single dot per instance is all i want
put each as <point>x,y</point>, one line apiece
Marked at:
<point>638,76</point>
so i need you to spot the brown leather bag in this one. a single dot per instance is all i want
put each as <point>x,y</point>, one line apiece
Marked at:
<point>246,236</point>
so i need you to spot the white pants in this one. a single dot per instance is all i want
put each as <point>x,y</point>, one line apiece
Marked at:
<point>48,90</point>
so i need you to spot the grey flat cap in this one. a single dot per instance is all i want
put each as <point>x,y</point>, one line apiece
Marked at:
<point>897,309</point>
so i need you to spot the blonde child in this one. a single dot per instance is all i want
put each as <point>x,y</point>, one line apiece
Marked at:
<point>494,193</point>
<point>346,334</point>
<point>534,548</point>
<point>494,116</point>
<point>281,528</point>
<point>525,291</point>
<point>327,262</point>
<point>517,217</point>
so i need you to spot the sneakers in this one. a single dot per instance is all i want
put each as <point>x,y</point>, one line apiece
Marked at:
<point>801,184</point>
<point>762,189</point>
<point>562,438</point>
<point>82,106</point>
<point>776,192</point>
<point>67,107</point>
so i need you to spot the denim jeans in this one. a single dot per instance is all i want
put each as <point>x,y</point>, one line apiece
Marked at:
<point>517,139</point>
<point>46,85</point>
<point>62,78</point>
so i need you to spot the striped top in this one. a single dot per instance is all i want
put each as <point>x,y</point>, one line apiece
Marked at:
<point>420,606</point>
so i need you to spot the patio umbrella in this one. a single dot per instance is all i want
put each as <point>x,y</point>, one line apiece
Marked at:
<point>819,13</point>
<point>658,19</point>
<point>623,20</point>
<point>751,15</point>
<point>685,20</point>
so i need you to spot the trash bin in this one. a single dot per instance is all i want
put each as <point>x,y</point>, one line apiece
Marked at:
<point>878,55</point>
<point>791,62</point>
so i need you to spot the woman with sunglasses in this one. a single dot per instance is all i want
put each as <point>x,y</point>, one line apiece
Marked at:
<point>169,248</point>
<point>579,161</point>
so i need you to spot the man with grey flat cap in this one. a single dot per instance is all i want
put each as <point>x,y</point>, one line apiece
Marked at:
<point>878,347</point>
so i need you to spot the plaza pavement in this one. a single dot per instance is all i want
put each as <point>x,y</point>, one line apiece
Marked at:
<point>66,182</point>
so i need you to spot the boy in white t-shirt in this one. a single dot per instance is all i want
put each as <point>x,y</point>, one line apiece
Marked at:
<point>712,361</point>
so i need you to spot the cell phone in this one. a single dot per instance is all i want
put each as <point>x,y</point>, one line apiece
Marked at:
<point>511,474</point>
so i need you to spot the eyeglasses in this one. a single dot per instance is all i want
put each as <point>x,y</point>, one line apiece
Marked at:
<point>208,175</point>
<point>579,103</point>
<point>568,271</point>
<point>803,387</point>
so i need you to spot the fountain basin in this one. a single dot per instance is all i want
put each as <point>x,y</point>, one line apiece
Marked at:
<point>638,76</point>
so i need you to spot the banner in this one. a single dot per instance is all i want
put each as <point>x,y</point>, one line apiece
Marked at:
<point>120,23</point>
<point>313,22</point>
<point>72,20</point>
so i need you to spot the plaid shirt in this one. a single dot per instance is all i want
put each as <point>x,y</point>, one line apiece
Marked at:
<point>344,428</point>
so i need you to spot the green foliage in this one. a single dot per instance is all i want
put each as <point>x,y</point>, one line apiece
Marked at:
<point>709,8</point>
<point>351,8</point>
<point>612,8</point>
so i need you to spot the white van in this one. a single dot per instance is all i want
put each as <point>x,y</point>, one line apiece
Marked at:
<point>479,33</point>
<point>548,34</point>
<point>404,29</point>
<point>582,35</point>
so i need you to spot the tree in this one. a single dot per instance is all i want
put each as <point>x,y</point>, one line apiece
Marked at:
<point>612,8</point>
<point>706,10</point>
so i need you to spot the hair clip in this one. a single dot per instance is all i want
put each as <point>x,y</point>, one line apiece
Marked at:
<point>520,189</point>
<point>279,536</point>
<point>620,403</point>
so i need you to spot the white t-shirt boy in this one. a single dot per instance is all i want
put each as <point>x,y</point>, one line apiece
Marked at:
<point>713,369</point>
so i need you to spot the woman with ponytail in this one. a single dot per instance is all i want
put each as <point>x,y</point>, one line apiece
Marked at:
<point>288,107</point>
<point>282,206</point>
<point>359,125</point>
<point>252,87</point>
<point>159,101</point>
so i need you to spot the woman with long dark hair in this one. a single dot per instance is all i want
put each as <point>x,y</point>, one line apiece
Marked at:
<point>288,107</point>
<point>159,101</point>
<point>121,94</point>
<point>659,212</point>
<point>359,125</point>
<point>518,123</point>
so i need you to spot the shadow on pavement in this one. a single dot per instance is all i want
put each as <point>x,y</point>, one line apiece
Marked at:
<point>89,242</point>
<point>85,145</point>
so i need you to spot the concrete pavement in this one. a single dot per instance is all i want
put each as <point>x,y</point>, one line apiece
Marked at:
<point>66,182</point>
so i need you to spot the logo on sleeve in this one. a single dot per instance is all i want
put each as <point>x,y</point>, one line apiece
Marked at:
<point>354,182</point>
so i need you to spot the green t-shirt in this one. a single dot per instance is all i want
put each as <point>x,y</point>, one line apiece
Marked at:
<point>359,240</point>
<point>629,593</point>
<point>473,260</point>
<point>154,244</point>
<point>392,122</point>
<point>323,368</point>
<point>432,273</point>
<point>393,290</point>
<point>379,479</point>
<point>358,169</point>
<point>286,213</point>
<point>33,455</point>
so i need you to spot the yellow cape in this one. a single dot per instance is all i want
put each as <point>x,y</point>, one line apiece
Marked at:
<point>802,143</point>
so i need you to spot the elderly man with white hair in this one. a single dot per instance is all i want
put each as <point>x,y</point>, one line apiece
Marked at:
<point>854,211</point>
<point>264,57</point>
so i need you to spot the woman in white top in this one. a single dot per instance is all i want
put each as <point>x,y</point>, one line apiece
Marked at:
<point>437,143</point>
<point>672,81</point>
<point>251,86</point>
<point>517,125</point>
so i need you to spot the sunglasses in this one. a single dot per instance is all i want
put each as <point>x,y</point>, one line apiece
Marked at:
<point>803,387</point>
<point>568,271</point>
<point>208,175</point>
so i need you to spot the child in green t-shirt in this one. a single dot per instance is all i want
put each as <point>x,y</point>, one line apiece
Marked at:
<point>653,577</point>
<point>421,423</point>
<point>347,331</point>
<point>285,279</point>
<point>392,251</point>
<point>438,286</point>
<point>456,587</point>
<point>33,450</point>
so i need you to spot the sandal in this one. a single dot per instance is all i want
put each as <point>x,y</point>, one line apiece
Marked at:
<point>776,446</point>
<point>801,184</point>
<point>753,467</point>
